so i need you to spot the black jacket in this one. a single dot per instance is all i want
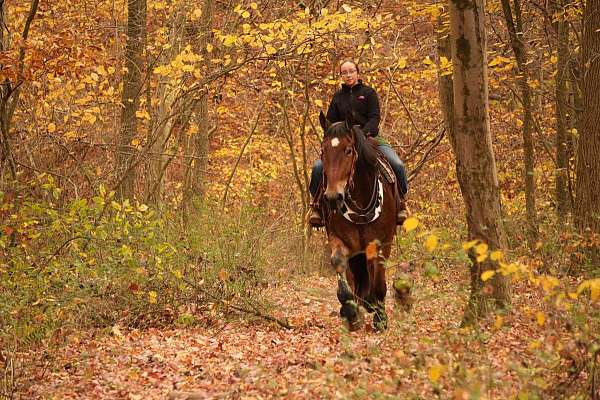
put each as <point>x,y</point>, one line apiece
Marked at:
<point>361,99</point>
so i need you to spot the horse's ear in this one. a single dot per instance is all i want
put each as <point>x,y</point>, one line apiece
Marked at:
<point>325,124</point>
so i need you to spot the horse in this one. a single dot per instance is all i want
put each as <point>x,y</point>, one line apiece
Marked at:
<point>359,211</point>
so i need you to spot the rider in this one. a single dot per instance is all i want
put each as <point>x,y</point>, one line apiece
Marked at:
<point>361,101</point>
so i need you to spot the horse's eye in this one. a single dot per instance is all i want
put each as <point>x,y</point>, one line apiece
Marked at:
<point>348,151</point>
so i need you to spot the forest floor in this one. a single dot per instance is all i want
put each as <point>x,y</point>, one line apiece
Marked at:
<point>424,354</point>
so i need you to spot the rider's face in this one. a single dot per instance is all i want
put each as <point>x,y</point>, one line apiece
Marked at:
<point>349,73</point>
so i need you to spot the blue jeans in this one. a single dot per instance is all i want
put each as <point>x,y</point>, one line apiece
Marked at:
<point>390,155</point>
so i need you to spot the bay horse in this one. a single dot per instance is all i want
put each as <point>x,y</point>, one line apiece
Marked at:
<point>359,211</point>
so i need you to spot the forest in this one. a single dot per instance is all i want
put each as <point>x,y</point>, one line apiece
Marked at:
<point>155,169</point>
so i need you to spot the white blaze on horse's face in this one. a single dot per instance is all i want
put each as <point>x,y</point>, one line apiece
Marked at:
<point>338,160</point>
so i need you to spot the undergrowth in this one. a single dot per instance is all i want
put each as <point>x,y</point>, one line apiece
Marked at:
<point>107,264</point>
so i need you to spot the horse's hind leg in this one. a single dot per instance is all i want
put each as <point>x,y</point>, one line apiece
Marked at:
<point>378,292</point>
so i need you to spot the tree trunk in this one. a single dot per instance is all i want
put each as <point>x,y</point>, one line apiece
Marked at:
<point>587,199</point>
<point>515,30</point>
<point>445,85</point>
<point>132,86</point>
<point>163,119</point>
<point>475,163</point>
<point>562,161</point>
<point>195,185</point>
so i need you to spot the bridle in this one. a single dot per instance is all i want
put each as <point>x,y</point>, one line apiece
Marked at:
<point>350,209</point>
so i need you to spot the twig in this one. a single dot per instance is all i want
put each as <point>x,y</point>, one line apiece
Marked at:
<point>434,143</point>
<point>237,162</point>
<point>254,311</point>
<point>387,74</point>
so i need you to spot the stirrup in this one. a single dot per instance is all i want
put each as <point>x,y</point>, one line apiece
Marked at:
<point>402,211</point>
<point>401,217</point>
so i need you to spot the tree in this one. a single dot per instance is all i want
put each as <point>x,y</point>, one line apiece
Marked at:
<point>10,87</point>
<point>475,163</point>
<point>132,87</point>
<point>587,200</point>
<point>561,27</point>
<point>514,23</point>
<point>195,185</point>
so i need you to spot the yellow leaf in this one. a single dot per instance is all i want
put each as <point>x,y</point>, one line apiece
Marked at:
<point>223,275</point>
<point>402,63</point>
<point>435,372</point>
<point>534,344</point>
<point>410,224</point>
<point>541,318</point>
<point>481,258</point>
<point>270,49</point>
<point>143,207</point>
<point>486,275</point>
<point>245,14</point>
<point>193,129</point>
<point>197,13</point>
<point>209,47</point>
<point>135,142</point>
<point>229,40</point>
<point>498,322</point>
<point>595,291</point>
<point>152,296</point>
<point>468,245</point>
<point>496,255</point>
<point>253,6</point>
<point>481,248</point>
<point>372,250</point>
<point>431,242</point>
<point>319,103</point>
<point>51,127</point>
<point>548,282</point>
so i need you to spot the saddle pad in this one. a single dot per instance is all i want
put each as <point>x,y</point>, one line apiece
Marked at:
<point>386,170</point>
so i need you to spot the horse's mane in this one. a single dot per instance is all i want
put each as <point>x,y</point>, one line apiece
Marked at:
<point>366,149</point>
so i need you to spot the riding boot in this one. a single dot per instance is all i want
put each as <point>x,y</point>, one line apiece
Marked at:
<point>316,218</point>
<point>402,210</point>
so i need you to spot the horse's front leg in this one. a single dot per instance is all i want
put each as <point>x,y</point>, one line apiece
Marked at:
<point>345,291</point>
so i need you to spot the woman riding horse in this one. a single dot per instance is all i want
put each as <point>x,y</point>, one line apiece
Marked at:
<point>358,101</point>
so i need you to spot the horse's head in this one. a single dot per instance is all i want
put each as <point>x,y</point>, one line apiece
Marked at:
<point>339,156</point>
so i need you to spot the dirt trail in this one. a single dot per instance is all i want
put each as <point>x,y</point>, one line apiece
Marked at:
<point>317,359</point>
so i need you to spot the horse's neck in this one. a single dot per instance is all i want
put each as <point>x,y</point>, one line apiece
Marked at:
<point>364,181</point>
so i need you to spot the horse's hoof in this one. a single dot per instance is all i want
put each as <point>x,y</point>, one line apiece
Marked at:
<point>380,326</point>
<point>349,310</point>
<point>353,318</point>
<point>355,325</point>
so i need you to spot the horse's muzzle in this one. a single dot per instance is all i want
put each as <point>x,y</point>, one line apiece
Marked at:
<point>335,200</point>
